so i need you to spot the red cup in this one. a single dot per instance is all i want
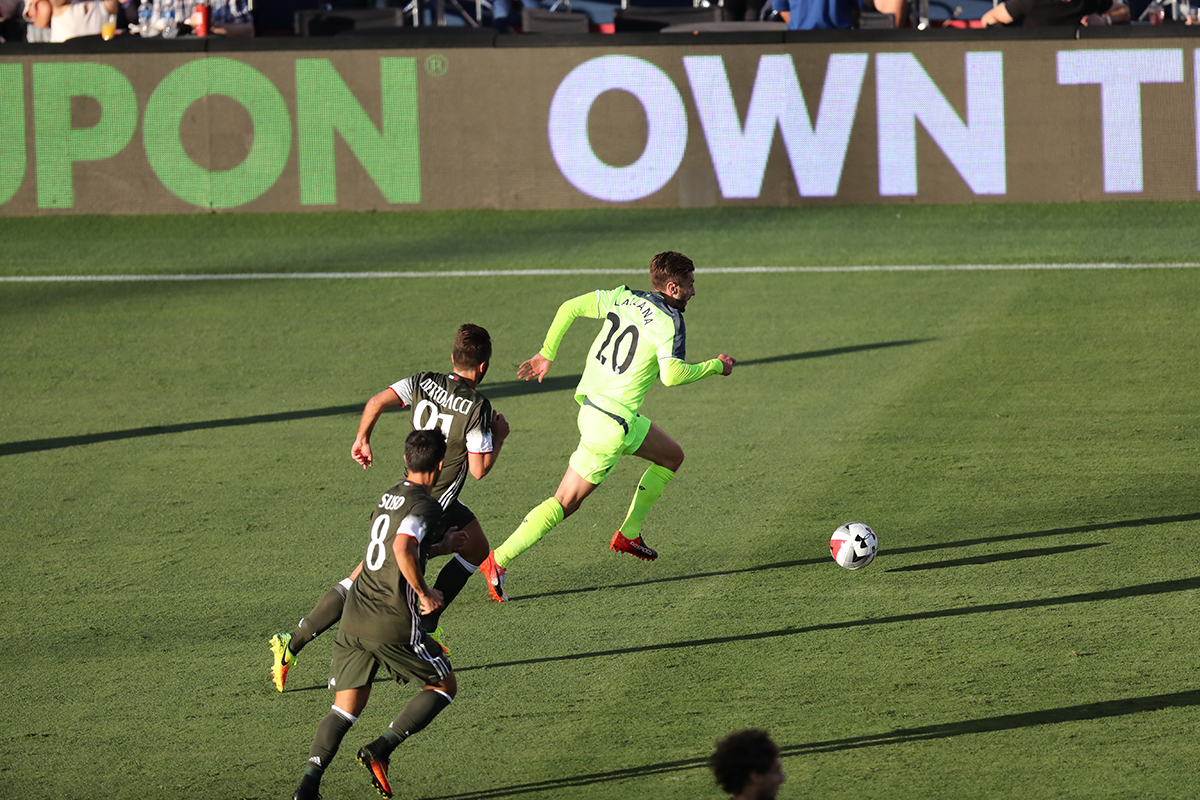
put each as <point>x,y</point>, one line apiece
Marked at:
<point>203,17</point>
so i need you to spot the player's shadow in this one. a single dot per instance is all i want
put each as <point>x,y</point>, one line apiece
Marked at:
<point>36,445</point>
<point>895,551</point>
<point>1004,722</point>
<point>506,389</point>
<point>555,383</point>
<point>833,351</point>
<point>1124,592</point>
<point>558,383</point>
<point>499,390</point>
<point>494,391</point>
<point>993,558</point>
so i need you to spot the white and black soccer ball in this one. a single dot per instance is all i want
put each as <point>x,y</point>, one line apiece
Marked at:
<point>853,545</point>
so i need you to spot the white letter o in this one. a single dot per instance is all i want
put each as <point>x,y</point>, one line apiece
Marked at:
<point>666,123</point>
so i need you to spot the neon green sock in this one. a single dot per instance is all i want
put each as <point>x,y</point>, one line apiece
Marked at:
<point>650,488</point>
<point>537,524</point>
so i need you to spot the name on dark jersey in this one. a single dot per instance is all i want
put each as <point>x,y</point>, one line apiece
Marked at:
<point>390,502</point>
<point>646,310</point>
<point>444,399</point>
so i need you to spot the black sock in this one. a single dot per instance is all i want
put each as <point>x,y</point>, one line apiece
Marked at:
<point>450,581</point>
<point>310,784</point>
<point>324,616</point>
<point>330,731</point>
<point>419,712</point>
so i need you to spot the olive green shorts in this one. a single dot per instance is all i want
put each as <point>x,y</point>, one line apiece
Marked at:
<point>456,516</point>
<point>355,662</point>
<point>603,439</point>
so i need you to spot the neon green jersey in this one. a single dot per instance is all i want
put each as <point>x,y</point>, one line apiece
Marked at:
<point>642,337</point>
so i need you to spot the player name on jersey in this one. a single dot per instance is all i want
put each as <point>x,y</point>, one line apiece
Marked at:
<point>390,502</point>
<point>444,399</point>
<point>644,307</point>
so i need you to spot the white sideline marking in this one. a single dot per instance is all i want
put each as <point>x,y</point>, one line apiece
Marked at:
<point>277,276</point>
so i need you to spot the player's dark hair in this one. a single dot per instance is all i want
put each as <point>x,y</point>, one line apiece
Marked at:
<point>472,346</point>
<point>423,450</point>
<point>669,267</point>
<point>739,755</point>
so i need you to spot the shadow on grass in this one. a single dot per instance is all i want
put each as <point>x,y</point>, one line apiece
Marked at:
<point>36,445</point>
<point>1141,590</point>
<point>833,351</point>
<point>992,559</point>
<point>506,389</point>
<point>494,391</point>
<point>924,548</point>
<point>1005,722</point>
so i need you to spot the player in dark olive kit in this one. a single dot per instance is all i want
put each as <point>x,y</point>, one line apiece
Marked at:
<point>474,434</point>
<point>381,623</point>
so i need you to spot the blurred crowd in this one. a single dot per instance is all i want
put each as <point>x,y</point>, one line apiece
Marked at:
<point>60,20</point>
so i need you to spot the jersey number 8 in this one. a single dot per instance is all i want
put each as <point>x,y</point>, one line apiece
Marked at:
<point>377,549</point>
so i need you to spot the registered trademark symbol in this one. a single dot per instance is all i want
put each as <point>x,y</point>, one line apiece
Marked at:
<point>437,65</point>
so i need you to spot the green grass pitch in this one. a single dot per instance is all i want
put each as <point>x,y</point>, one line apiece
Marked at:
<point>178,486</point>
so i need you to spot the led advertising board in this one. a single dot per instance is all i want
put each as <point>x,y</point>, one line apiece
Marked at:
<point>571,127</point>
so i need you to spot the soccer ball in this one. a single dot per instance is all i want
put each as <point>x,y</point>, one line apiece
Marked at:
<point>853,545</point>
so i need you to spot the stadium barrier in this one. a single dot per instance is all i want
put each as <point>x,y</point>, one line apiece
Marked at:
<point>650,120</point>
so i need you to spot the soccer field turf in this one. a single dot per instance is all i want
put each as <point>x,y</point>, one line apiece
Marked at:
<point>175,457</point>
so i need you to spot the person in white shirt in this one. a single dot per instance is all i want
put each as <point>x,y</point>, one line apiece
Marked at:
<point>67,20</point>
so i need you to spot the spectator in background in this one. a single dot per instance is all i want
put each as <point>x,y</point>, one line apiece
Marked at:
<point>67,20</point>
<point>12,23</point>
<point>36,14</point>
<point>1038,13</point>
<point>746,764</point>
<point>232,19</point>
<point>812,15</point>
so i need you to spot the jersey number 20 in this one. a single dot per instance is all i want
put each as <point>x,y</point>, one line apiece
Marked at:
<point>614,353</point>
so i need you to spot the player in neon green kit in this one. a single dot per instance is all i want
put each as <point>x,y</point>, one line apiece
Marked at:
<point>642,338</point>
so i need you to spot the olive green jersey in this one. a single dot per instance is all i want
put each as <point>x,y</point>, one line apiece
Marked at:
<point>463,415</point>
<point>381,606</point>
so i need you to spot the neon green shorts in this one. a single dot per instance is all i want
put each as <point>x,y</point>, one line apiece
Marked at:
<point>602,442</point>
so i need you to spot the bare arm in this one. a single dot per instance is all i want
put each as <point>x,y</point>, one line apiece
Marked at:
<point>39,13</point>
<point>405,548</point>
<point>481,464</point>
<point>361,450</point>
<point>997,16</point>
